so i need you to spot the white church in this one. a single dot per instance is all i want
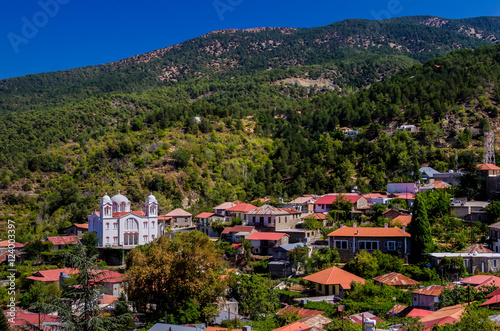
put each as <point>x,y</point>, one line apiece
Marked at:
<point>117,226</point>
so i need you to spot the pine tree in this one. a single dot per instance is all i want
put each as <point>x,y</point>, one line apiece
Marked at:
<point>420,230</point>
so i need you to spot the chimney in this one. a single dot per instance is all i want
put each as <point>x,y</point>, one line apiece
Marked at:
<point>404,229</point>
<point>354,225</point>
<point>386,225</point>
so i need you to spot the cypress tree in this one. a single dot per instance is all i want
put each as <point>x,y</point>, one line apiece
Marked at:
<point>420,230</point>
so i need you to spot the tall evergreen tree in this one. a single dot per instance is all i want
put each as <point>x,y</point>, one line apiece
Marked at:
<point>420,230</point>
<point>4,323</point>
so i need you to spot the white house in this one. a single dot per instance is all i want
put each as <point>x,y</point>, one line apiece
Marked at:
<point>117,226</point>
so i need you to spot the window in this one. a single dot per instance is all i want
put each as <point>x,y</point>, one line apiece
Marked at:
<point>279,219</point>
<point>107,226</point>
<point>145,225</point>
<point>115,240</point>
<point>131,224</point>
<point>122,206</point>
<point>466,262</point>
<point>115,226</point>
<point>341,244</point>
<point>368,245</point>
<point>153,237</point>
<point>107,240</point>
<point>390,245</point>
<point>145,237</point>
<point>494,263</point>
<point>153,223</point>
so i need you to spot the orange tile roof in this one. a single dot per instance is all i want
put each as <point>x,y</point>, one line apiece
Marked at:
<point>374,195</point>
<point>301,312</point>
<point>237,228</point>
<point>395,279</point>
<point>334,276</point>
<point>438,184</point>
<point>6,243</point>
<point>347,231</point>
<point>242,207</point>
<point>124,213</point>
<point>446,315</point>
<point>433,290</point>
<point>397,309</point>
<point>267,236</point>
<point>317,216</point>
<point>108,299</point>
<point>293,327</point>
<point>487,166</point>
<point>401,220</point>
<point>225,205</point>
<point>82,226</point>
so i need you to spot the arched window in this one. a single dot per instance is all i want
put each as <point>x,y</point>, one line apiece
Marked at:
<point>125,238</point>
<point>153,223</point>
<point>107,211</point>
<point>136,239</point>
<point>115,207</point>
<point>122,206</point>
<point>152,210</point>
<point>131,224</point>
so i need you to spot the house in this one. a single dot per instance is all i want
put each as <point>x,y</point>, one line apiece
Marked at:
<point>408,197</point>
<point>112,282</point>
<point>397,280</point>
<point>309,317</point>
<point>491,176</point>
<point>349,241</point>
<point>321,217</point>
<point>478,281</point>
<point>495,236</point>
<point>269,218</point>
<point>359,319</point>
<point>204,221</point>
<point>221,209</point>
<point>20,319</point>
<point>474,262</point>
<point>333,281</point>
<point>280,269</point>
<point>373,198</point>
<point>264,242</point>
<point>62,242</point>
<point>51,276</point>
<point>470,210</point>
<point>409,128</point>
<point>299,235</point>
<point>282,252</point>
<point>117,226</point>
<point>443,316</point>
<point>327,203</point>
<point>477,248</point>
<point>177,218</point>
<point>392,214</point>
<point>77,230</point>
<point>427,296</point>
<point>237,233</point>
<point>348,132</point>
<point>240,210</point>
<point>304,204</point>
<point>436,185</point>
<point>427,174</point>
<point>295,326</point>
<point>401,220</point>
<point>402,187</point>
<point>6,246</point>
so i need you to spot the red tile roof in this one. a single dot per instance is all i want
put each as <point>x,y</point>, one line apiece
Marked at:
<point>481,280</point>
<point>64,240</point>
<point>204,215</point>
<point>123,213</point>
<point>401,220</point>
<point>108,276</point>
<point>23,317</point>
<point>368,232</point>
<point>301,312</point>
<point>397,309</point>
<point>294,327</point>
<point>494,293</point>
<point>51,275</point>
<point>334,276</point>
<point>242,207</point>
<point>331,198</point>
<point>433,290</point>
<point>178,212</point>
<point>419,313</point>
<point>237,228</point>
<point>108,299</point>
<point>395,279</point>
<point>317,216</point>
<point>487,166</point>
<point>446,315</point>
<point>266,236</point>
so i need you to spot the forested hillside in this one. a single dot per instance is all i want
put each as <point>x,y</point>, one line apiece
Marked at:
<point>242,133</point>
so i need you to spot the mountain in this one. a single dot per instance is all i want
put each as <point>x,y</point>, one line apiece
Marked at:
<point>235,53</point>
<point>246,131</point>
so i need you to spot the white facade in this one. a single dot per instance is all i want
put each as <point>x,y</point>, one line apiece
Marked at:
<point>402,187</point>
<point>117,226</point>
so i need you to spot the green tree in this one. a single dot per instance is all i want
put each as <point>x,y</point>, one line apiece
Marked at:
<point>180,275</point>
<point>476,319</point>
<point>90,241</point>
<point>420,230</point>
<point>255,296</point>
<point>493,210</point>
<point>364,265</point>
<point>4,323</point>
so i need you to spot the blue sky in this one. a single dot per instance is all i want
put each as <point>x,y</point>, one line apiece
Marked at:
<point>48,35</point>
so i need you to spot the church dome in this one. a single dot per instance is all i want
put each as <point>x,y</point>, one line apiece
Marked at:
<point>119,198</point>
<point>151,199</point>
<point>105,199</point>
